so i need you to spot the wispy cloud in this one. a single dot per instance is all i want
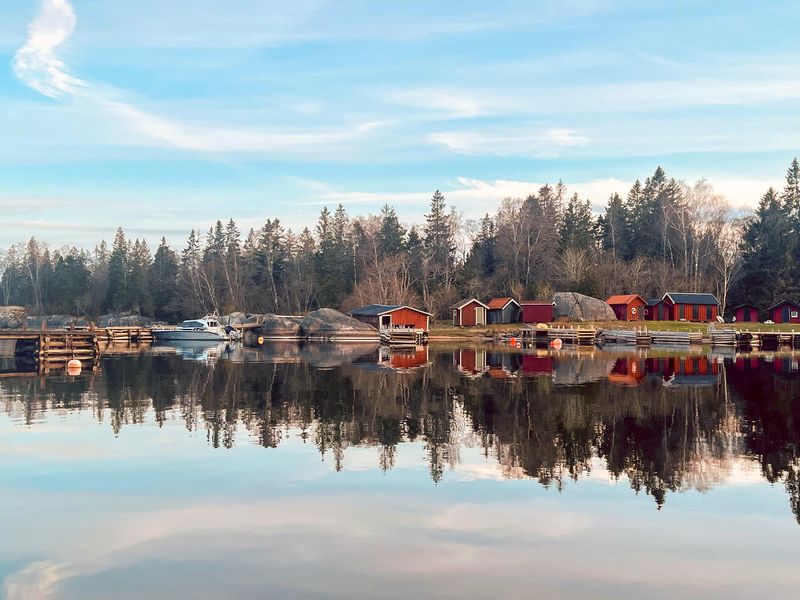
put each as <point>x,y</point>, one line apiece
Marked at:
<point>39,66</point>
<point>525,142</point>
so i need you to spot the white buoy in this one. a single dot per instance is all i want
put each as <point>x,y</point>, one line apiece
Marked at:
<point>74,367</point>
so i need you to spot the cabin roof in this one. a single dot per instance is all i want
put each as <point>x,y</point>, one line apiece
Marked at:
<point>691,298</point>
<point>624,299</point>
<point>501,303</point>
<point>654,301</point>
<point>376,310</point>
<point>745,305</point>
<point>782,302</point>
<point>463,303</point>
<point>537,303</point>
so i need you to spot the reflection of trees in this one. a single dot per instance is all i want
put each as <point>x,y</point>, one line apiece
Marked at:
<point>662,439</point>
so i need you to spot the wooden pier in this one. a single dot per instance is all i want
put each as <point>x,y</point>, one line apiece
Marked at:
<point>401,336</point>
<point>62,345</point>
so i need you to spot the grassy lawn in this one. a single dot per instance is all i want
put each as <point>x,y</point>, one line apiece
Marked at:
<point>446,329</point>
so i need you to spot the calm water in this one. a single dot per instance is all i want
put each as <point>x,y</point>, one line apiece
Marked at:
<point>325,471</point>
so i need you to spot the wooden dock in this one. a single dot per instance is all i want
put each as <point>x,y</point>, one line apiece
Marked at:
<point>62,345</point>
<point>401,336</point>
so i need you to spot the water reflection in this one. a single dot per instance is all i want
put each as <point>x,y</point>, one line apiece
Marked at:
<point>663,423</point>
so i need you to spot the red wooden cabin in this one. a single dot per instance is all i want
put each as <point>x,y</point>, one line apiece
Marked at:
<point>385,316</point>
<point>537,312</point>
<point>657,310</point>
<point>628,307</point>
<point>746,313</point>
<point>695,307</point>
<point>785,311</point>
<point>469,313</point>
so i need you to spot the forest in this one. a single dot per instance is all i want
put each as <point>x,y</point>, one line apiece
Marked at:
<point>664,235</point>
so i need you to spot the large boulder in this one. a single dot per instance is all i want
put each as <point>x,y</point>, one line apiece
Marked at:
<point>111,320</point>
<point>12,317</point>
<point>572,306</point>
<point>235,318</point>
<point>55,321</point>
<point>330,324</point>
<point>276,326</point>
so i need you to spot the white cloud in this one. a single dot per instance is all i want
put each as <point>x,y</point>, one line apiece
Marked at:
<point>38,65</point>
<point>527,142</point>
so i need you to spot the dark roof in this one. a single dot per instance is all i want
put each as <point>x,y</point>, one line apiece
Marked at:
<point>654,301</point>
<point>374,310</point>
<point>745,305</point>
<point>782,302</point>
<point>691,298</point>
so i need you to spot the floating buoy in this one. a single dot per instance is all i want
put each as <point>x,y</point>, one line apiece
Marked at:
<point>513,341</point>
<point>556,343</point>
<point>74,367</point>
<point>260,340</point>
<point>518,345</point>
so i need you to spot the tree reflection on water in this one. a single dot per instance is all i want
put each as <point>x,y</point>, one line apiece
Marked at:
<point>664,422</point>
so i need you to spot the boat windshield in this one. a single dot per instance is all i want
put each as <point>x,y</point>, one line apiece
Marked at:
<point>192,324</point>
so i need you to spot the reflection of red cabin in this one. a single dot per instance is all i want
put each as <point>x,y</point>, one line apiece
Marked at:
<point>383,316</point>
<point>469,313</point>
<point>699,308</point>
<point>470,361</point>
<point>746,313</point>
<point>628,307</point>
<point>537,365</point>
<point>628,371</point>
<point>409,359</point>
<point>537,312</point>
<point>785,311</point>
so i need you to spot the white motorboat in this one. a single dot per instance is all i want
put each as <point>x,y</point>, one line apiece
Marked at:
<point>207,329</point>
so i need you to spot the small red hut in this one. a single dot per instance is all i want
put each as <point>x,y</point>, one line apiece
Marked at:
<point>628,307</point>
<point>537,312</point>
<point>695,307</point>
<point>785,311</point>
<point>657,310</point>
<point>469,313</point>
<point>385,316</point>
<point>746,313</point>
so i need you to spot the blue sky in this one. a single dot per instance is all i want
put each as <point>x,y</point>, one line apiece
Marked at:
<point>164,116</point>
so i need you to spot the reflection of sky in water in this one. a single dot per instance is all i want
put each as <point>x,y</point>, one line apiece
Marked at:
<point>157,512</point>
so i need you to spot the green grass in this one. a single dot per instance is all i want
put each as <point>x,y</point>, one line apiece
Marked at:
<point>446,329</point>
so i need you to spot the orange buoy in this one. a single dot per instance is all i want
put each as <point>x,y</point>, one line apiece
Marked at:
<point>74,367</point>
<point>556,343</point>
<point>512,341</point>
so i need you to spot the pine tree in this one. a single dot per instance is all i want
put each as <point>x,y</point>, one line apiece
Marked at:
<point>438,240</point>
<point>140,261</point>
<point>577,225</point>
<point>613,228</point>
<point>163,279</point>
<point>391,237</point>
<point>117,295</point>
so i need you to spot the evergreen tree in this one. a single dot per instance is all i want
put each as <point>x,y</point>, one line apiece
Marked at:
<point>391,237</point>
<point>163,278</point>
<point>117,295</point>
<point>439,241</point>
<point>140,261</point>
<point>577,225</point>
<point>613,228</point>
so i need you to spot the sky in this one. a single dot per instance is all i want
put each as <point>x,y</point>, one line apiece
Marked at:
<point>161,116</point>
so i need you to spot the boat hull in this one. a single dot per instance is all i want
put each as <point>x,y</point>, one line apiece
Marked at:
<point>187,336</point>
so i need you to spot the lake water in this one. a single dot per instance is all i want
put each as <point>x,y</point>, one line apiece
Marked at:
<point>325,471</point>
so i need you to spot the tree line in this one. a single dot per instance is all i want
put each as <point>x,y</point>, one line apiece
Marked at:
<point>664,235</point>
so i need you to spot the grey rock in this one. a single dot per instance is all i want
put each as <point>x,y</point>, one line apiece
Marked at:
<point>12,317</point>
<point>276,326</point>
<point>55,321</point>
<point>327,323</point>
<point>577,307</point>
<point>112,320</point>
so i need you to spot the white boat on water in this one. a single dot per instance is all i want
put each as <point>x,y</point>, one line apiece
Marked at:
<point>207,329</point>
